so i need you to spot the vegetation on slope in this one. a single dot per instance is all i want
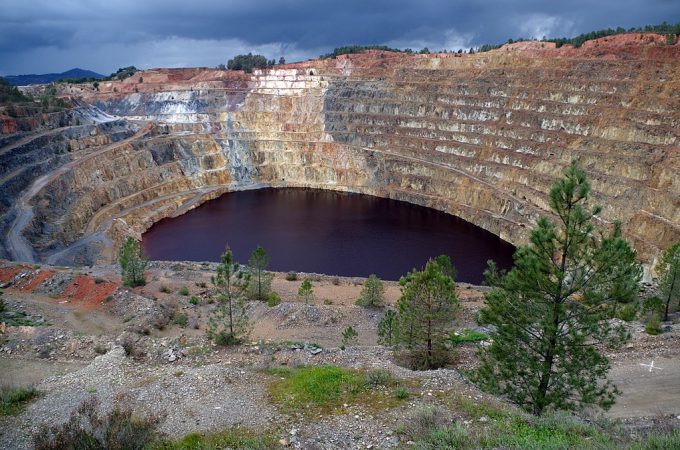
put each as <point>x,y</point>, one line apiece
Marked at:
<point>249,62</point>
<point>11,94</point>
<point>122,73</point>
<point>671,30</point>
<point>489,426</point>
<point>13,400</point>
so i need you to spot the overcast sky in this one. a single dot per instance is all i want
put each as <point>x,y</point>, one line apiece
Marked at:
<point>39,36</point>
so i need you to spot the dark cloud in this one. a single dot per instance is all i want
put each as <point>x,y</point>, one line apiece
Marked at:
<point>48,35</point>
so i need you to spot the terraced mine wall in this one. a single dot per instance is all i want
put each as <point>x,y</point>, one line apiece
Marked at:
<point>478,136</point>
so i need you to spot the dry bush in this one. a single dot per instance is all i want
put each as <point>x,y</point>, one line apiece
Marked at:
<point>89,428</point>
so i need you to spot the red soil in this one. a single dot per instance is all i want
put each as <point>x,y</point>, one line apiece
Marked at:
<point>85,291</point>
<point>7,274</point>
<point>34,280</point>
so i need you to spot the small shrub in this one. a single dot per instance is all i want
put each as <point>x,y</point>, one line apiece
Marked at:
<point>653,325</point>
<point>99,349</point>
<point>327,301</point>
<point>378,377</point>
<point>291,276</point>
<point>13,400</point>
<point>349,336</point>
<point>184,291</point>
<point>452,436</point>
<point>181,320</point>
<point>224,338</point>
<point>423,421</point>
<point>193,300</point>
<point>653,304</point>
<point>627,313</point>
<point>420,359</point>
<point>108,298</point>
<point>129,344</point>
<point>401,393</point>
<point>88,428</point>
<point>165,290</point>
<point>273,299</point>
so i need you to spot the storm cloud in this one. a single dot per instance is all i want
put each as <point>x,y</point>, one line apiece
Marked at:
<point>38,36</point>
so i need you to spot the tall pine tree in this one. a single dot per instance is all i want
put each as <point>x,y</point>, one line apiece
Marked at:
<point>229,323</point>
<point>260,281</point>
<point>373,293</point>
<point>425,312</point>
<point>132,263</point>
<point>669,277</point>
<point>551,311</point>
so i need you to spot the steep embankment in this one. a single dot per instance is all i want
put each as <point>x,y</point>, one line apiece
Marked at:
<point>480,136</point>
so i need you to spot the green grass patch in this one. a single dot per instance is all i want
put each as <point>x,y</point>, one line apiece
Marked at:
<point>325,389</point>
<point>505,428</point>
<point>19,319</point>
<point>670,441</point>
<point>232,438</point>
<point>553,431</point>
<point>13,400</point>
<point>467,336</point>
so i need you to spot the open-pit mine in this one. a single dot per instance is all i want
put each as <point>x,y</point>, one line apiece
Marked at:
<point>479,136</point>
<point>339,167</point>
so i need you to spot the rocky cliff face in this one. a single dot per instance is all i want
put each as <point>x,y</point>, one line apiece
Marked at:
<point>479,136</point>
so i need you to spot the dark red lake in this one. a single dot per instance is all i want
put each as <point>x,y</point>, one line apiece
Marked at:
<point>328,232</point>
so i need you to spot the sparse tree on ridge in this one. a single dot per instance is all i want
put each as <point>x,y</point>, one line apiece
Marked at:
<point>388,328</point>
<point>350,336</point>
<point>668,269</point>
<point>229,323</point>
<point>132,263</point>
<point>373,293</point>
<point>260,281</point>
<point>552,311</point>
<point>306,292</point>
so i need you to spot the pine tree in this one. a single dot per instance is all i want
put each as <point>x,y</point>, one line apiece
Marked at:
<point>668,269</point>
<point>306,293</point>
<point>260,281</point>
<point>373,293</point>
<point>426,310</point>
<point>132,263</point>
<point>229,323</point>
<point>387,328</point>
<point>551,311</point>
<point>349,337</point>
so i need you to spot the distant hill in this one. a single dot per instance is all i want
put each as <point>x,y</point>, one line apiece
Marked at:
<point>23,80</point>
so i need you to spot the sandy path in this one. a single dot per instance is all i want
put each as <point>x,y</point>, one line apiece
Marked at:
<point>646,393</point>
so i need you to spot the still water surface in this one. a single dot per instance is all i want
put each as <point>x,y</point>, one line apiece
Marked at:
<point>327,232</point>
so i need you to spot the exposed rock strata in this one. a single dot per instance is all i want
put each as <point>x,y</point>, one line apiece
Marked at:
<point>479,136</point>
